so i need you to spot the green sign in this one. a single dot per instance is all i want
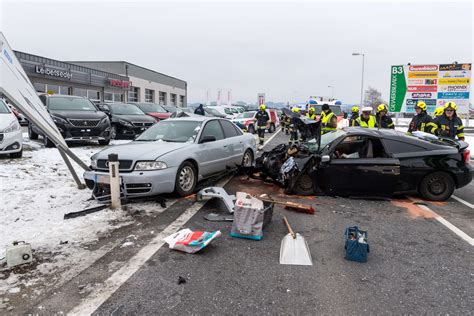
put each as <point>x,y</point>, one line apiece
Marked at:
<point>398,88</point>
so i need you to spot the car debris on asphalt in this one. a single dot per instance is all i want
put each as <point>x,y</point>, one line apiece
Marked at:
<point>190,241</point>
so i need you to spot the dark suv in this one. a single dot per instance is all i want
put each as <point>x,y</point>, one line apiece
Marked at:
<point>77,118</point>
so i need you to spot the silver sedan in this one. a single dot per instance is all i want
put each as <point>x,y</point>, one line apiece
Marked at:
<point>173,155</point>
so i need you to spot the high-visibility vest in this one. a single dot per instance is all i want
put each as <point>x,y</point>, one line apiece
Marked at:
<point>369,124</point>
<point>313,116</point>
<point>325,118</point>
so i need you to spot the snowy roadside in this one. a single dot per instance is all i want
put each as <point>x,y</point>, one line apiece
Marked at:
<point>37,190</point>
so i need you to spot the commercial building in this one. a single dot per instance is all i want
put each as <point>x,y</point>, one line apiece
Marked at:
<point>146,85</point>
<point>58,77</point>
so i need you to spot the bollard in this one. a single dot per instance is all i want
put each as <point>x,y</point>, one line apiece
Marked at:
<point>115,202</point>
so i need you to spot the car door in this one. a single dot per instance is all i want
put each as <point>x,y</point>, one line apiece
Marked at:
<point>370,172</point>
<point>213,155</point>
<point>234,143</point>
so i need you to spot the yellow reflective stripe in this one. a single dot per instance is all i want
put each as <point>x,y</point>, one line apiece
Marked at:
<point>460,127</point>
<point>460,135</point>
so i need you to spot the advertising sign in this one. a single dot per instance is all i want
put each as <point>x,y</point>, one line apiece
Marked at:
<point>261,98</point>
<point>434,84</point>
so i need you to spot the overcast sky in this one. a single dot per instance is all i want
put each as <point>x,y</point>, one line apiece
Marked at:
<point>287,50</point>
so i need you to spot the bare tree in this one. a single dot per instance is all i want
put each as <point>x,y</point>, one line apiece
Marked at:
<point>373,98</point>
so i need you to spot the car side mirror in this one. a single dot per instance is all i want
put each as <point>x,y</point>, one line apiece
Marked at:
<point>208,138</point>
<point>325,158</point>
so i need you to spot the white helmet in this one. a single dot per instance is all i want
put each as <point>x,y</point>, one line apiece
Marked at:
<point>366,109</point>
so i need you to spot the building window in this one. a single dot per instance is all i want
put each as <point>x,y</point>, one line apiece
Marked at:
<point>113,97</point>
<point>149,95</point>
<point>39,87</point>
<point>80,92</point>
<point>133,94</point>
<point>118,97</point>
<point>64,90</point>
<point>93,95</point>
<point>181,101</point>
<point>52,89</point>
<point>162,99</point>
<point>173,99</point>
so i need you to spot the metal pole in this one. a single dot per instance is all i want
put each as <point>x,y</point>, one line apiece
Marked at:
<point>362,81</point>
<point>114,182</point>
<point>80,185</point>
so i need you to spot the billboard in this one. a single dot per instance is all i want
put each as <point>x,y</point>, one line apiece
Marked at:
<point>434,84</point>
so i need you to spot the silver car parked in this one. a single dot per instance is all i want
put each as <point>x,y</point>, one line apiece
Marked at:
<point>173,155</point>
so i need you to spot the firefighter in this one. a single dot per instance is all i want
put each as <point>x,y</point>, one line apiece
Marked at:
<point>366,120</point>
<point>328,120</point>
<point>438,113</point>
<point>382,119</point>
<point>422,121</point>
<point>311,114</point>
<point>262,119</point>
<point>289,121</point>
<point>449,124</point>
<point>292,128</point>
<point>283,122</point>
<point>354,115</point>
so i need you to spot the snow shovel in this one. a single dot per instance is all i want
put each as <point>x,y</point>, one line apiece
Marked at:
<point>294,249</point>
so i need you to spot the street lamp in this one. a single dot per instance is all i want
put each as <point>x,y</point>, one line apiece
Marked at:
<point>362,81</point>
<point>332,93</point>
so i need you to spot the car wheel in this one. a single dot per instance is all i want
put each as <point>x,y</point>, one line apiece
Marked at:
<point>304,185</point>
<point>251,129</point>
<point>31,134</point>
<point>17,155</point>
<point>247,159</point>
<point>104,142</point>
<point>437,186</point>
<point>47,142</point>
<point>186,179</point>
<point>113,132</point>
<point>272,128</point>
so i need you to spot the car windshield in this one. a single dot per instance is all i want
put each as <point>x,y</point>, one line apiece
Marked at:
<point>227,111</point>
<point>70,104</point>
<point>246,115</point>
<point>125,109</point>
<point>335,108</point>
<point>326,139</point>
<point>172,131</point>
<point>4,108</point>
<point>234,110</point>
<point>151,107</point>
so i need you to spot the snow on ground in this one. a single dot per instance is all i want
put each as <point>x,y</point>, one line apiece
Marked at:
<point>36,191</point>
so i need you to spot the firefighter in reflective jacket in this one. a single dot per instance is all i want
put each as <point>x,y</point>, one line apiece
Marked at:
<point>382,119</point>
<point>311,114</point>
<point>449,124</point>
<point>283,122</point>
<point>328,120</point>
<point>366,119</point>
<point>354,115</point>
<point>422,121</point>
<point>292,128</point>
<point>262,121</point>
<point>437,114</point>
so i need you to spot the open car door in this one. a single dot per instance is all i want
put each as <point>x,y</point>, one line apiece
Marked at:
<point>359,166</point>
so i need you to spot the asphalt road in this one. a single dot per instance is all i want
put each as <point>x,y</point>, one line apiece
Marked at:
<point>416,264</point>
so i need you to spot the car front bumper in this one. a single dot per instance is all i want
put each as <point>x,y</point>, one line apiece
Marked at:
<point>11,140</point>
<point>132,184</point>
<point>86,133</point>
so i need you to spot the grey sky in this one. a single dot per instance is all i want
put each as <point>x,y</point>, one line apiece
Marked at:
<point>287,50</point>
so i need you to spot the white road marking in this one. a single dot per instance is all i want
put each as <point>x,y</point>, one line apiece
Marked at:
<point>273,136</point>
<point>462,201</point>
<point>100,294</point>
<point>451,227</point>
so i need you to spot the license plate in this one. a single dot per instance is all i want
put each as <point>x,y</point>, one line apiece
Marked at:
<point>105,179</point>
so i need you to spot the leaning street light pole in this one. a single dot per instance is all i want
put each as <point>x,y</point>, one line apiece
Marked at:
<point>362,81</point>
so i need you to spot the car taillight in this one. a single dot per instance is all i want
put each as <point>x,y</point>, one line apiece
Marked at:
<point>467,156</point>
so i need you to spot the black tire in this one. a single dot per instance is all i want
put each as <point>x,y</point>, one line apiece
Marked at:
<point>47,142</point>
<point>17,155</point>
<point>186,179</point>
<point>437,186</point>
<point>304,185</point>
<point>113,132</point>
<point>31,133</point>
<point>104,142</point>
<point>247,158</point>
<point>272,128</point>
<point>251,129</point>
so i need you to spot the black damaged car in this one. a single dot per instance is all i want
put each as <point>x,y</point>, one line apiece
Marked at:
<point>127,120</point>
<point>77,118</point>
<point>371,163</point>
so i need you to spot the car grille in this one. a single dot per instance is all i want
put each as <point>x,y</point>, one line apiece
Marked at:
<point>84,123</point>
<point>123,164</point>
<point>139,124</point>
<point>138,188</point>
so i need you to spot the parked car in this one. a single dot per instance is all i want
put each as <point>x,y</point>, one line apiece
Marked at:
<point>223,110</point>
<point>173,155</point>
<point>211,111</point>
<point>127,120</point>
<point>158,112</point>
<point>358,161</point>
<point>11,136</point>
<point>77,118</point>
<point>171,108</point>
<point>247,120</point>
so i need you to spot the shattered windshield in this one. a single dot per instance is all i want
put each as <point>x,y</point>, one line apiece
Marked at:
<point>172,131</point>
<point>326,139</point>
